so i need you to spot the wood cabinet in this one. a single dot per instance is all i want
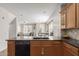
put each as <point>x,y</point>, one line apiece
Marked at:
<point>69,50</point>
<point>70,17</point>
<point>51,48</point>
<point>45,48</point>
<point>77,14</point>
<point>35,48</point>
<point>11,48</point>
<point>38,48</point>
<point>54,50</point>
<point>35,51</point>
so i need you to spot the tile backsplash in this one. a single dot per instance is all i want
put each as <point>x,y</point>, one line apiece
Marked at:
<point>73,33</point>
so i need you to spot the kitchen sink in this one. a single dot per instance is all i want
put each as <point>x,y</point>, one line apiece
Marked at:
<point>40,38</point>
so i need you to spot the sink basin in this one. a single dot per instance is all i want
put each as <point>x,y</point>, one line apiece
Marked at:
<point>40,37</point>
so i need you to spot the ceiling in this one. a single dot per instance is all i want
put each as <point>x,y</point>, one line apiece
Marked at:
<point>30,12</point>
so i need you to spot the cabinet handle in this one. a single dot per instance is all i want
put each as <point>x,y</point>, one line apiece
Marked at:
<point>42,51</point>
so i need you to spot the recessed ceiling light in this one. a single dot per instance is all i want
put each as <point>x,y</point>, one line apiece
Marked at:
<point>44,12</point>
<point>21,15</point>
<point>3,17</point>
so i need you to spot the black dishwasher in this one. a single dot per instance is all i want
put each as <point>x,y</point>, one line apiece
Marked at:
<point>22,48</point>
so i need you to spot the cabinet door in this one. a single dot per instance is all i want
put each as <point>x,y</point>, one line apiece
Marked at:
<point>54,50</point>
<point>67,53</point>
<point>77,15</point>
<point>63,19</point>
<point>35,51</point>
<point>11,48</point>
<point>71,16</point>
<point>35,48</point>
<point>70,50</point>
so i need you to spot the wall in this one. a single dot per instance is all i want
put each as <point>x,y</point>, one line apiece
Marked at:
<point>3,53</point>
<point>50,27</point>
<point>56,23</point>
<point>5,18</point>
<point>12,29</point>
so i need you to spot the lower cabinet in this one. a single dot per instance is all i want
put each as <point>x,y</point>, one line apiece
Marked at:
<point>54,50</point>
<point>69,50</point>
<point>35,51</point>
<point>41,48</point>
<point>45,48</point>
<point>11,48</point>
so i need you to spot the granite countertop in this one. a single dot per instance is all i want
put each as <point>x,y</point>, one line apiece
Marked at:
<point>73,42</point>
<point>31,39</point>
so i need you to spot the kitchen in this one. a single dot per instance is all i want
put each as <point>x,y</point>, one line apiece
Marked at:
<point>49,29</point>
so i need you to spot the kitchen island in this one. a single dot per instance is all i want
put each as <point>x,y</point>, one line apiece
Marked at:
<point>34,47</point>
<point>43,47</point>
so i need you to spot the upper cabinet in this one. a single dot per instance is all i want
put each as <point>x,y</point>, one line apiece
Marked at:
<point>69,16</point>
<point>77,15</point>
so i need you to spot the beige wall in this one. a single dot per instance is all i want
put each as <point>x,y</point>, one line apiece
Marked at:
<point>3,53</point>
<point>12,29</point>
<point>5,18</point>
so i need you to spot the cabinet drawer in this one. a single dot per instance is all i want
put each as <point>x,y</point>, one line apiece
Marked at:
<point>35,43</point>
<point>56,42</point>
<point>11,42</point>
<point>46,43</point>
<point>51,42</point>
